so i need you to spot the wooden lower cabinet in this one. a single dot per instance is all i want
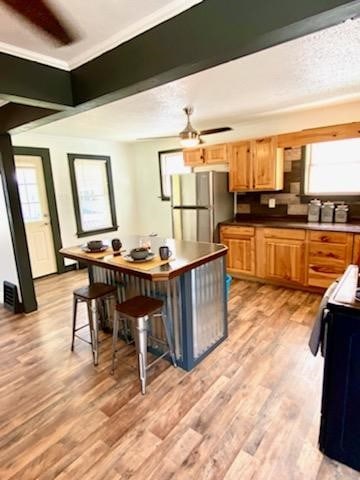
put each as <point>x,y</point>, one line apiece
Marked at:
<point>290,256</point>
<point>241,244</point>
<point>282,251</point>
<point>284,260</point>
<point>329,255</point>
<point>356,250</point>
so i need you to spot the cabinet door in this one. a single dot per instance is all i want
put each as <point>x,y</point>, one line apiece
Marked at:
<point>239,166</point>
<point>241,254</point>
<point>284,260</point>
<point>215,154</point>
<point>267,163</point>
<point>193,157</point>
<point>356,250</point>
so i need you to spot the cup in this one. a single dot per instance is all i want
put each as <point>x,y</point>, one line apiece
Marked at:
<point>165,252</point>
<point>116,245</point>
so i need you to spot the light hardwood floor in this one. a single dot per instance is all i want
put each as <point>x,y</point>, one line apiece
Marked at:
<point>249,411</point>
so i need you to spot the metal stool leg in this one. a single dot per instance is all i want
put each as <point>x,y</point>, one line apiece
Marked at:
<point>75,304</point>
<point>141,349</point>
<point>169,339</point>
<point>114,341</point>
<point>93,323</point>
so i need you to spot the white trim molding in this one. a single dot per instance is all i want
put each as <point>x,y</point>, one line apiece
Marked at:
<point>173,8</point>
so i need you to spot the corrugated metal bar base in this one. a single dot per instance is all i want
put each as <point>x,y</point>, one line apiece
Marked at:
<point>195,304</point>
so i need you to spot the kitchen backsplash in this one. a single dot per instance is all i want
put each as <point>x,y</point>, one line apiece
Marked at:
<point>288,201</point>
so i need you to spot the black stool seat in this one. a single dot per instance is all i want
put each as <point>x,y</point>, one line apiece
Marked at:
<point>94,291</point>
<point>139,306</point>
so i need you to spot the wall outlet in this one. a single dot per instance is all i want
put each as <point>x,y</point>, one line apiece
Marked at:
<point>272,203</point>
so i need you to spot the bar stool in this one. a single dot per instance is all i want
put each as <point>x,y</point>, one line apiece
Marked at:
<point>94,295</point>
<point>140,310</point>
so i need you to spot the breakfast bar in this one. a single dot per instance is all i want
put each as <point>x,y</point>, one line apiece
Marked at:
<point>191,283</point>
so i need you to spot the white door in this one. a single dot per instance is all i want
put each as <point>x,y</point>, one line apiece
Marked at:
<point>34,204</point>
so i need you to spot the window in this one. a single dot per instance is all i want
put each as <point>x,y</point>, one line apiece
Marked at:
<point>93,194</point>
<point>333,168</point>
<point>170,162</point>
<point>29,194</point>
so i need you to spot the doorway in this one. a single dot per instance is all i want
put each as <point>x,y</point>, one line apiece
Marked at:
<point>38,204</point>
<point>35,210</point>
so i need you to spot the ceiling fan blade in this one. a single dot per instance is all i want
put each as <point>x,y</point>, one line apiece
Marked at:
<point>215,130</point>
<point>43,17</point>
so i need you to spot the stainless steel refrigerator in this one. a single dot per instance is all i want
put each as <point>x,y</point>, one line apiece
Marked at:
<point>199,202</point>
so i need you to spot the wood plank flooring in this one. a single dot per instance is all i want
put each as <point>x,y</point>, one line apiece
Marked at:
<point>249,411</point>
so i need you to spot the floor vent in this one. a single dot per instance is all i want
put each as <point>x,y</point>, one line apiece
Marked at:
<point>11,298</point>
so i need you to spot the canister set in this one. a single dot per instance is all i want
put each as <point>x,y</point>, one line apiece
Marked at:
<point>327,212</point>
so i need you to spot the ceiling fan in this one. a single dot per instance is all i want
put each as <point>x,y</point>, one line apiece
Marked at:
<point>190,137</point>
<point>39,13</point>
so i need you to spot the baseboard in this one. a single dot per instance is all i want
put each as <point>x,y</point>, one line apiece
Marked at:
<point>265,281</point>
<point>75,266</point>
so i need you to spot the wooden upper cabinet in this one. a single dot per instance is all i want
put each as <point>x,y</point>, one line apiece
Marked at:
<point>256,165</point>
<point>215,154</point>
<point>239,166</point>
<point>193,157</point>
<point>267,164</point>
<point>209,155</point>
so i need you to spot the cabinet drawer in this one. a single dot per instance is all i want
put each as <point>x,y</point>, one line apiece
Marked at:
<point>235,231</point>
<point>329,237</point>
<point>328,254</point>
<point>323,275</point>
<point>289,233</point>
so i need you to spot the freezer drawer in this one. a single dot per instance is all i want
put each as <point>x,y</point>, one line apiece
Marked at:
<point>193,224</point>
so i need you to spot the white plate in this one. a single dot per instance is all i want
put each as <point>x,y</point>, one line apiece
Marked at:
<point>128,258</point>
<point>86,249</point>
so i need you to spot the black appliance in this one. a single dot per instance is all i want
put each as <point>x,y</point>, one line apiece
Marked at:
<point>340,336</point>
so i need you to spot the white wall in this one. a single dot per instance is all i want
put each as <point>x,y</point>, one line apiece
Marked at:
<point>123,180</point>
<point>153,214</point>
<point>7,264</point>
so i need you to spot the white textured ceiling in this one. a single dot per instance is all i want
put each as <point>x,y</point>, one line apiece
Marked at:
<point>100,25</point>
<point>319,69</point>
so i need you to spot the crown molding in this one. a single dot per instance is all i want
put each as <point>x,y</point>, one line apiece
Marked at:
<point>33,56</point>
<point>172,9</point>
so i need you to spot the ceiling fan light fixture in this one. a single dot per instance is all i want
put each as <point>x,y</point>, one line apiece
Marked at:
<point>189,137</point>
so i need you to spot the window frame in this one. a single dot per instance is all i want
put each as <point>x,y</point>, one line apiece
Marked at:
<point>164,197</point>
<point>72,157</point>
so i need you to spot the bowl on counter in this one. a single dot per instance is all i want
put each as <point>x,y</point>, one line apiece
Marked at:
<point>139,253</point>
<point>95,244</point>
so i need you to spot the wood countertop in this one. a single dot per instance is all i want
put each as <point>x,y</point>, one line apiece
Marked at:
<point>185,256</point>
<point>290,223</point>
